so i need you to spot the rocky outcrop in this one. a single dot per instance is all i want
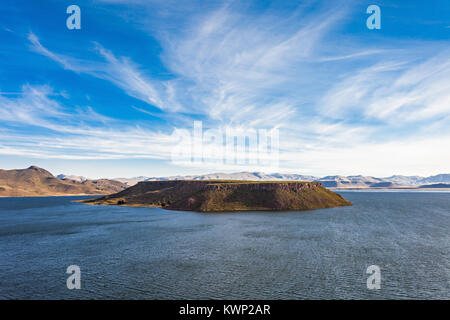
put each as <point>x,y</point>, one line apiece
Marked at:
<point>229,195</point>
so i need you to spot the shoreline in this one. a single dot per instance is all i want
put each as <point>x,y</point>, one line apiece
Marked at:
<point>57,195</point>
<point>147,206</point>
<point>331,189</point>
<point>387,189</point>
<point>121,205</point>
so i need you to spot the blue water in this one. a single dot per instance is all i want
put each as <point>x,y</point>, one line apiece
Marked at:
<point>138,253</point>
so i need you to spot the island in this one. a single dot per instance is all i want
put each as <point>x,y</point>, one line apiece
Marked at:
<point>225,195</point>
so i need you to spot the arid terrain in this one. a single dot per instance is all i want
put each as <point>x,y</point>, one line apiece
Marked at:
<point>35,181</point>
<point>225,195</point>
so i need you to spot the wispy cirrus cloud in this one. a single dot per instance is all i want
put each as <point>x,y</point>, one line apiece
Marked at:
<point>226,66</point>
<point>394,91</point>
<point>120,71</point>
<point>240,70</point>
<point>58,132</point>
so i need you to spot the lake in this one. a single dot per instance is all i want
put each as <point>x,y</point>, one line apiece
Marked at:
<point>139,253</point>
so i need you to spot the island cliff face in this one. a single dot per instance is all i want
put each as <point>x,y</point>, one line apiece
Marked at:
<point>225,195</point>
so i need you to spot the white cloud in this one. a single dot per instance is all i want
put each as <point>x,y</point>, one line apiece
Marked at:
<point>240,70</point>
<point>120,71</point>
<point>394,92</point>
<point>41,127</point>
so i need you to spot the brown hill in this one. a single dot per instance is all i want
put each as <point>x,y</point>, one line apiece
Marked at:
<point>225,195</point>
<point>36,181</point>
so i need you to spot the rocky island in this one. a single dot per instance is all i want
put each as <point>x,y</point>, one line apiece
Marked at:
<point>225,195</point>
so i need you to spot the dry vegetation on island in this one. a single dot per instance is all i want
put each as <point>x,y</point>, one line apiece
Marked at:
<point>225,195</point>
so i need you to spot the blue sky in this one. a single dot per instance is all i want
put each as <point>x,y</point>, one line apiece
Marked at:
<point>106,100</point>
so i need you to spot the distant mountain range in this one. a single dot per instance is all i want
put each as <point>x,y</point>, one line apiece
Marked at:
<point>35,181</point>
<point>396,181</point>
